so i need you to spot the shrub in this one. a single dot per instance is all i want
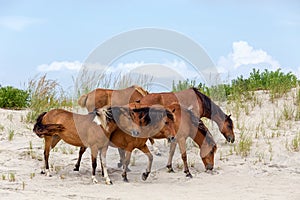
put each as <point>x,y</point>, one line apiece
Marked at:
<point>13,98</point>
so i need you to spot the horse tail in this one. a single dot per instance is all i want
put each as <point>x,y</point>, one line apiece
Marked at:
<point>41,129</point>
<point>82,100</point>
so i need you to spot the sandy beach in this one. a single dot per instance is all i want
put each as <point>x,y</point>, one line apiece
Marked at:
<point>270,170</point>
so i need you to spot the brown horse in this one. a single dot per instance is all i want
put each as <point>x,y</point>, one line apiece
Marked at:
<point>101,97</point>
<point>82,131</point>
<point>201,104</point>
<point>156,122</point>
<point>188,125</point>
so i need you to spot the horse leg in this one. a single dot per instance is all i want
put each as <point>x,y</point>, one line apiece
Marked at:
<point>125,165</point>
<point>146,151</point>
<point>48,142</point>
<point>171,155</point>
<point>182,147</point>
<point>94,152</point>
<point>81,151</point>
<point>122,157</point>
<point>103,165</point>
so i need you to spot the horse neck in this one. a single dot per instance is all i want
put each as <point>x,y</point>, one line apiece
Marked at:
<point>215,113</point>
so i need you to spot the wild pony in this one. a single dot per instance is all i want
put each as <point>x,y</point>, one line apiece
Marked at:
<point>156,122</point>
<point>102,97</point>
<point>188,125</point>
<point>201,104</point>
<point>82,131</point>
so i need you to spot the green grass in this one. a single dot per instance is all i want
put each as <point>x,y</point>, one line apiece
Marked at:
<point>12,177</point>
<point>244,145</point>
<point>45,94</point>
<point>11,134</point>
<point>295,145</point>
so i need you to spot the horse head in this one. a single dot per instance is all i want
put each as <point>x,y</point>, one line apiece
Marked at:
<point>227,129</point>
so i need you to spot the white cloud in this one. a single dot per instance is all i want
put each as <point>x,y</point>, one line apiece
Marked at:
<point>245,55</point>
<point>18,23</point>
<point>58,66</point>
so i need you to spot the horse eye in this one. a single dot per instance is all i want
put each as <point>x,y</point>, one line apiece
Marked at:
<point>166,123</point>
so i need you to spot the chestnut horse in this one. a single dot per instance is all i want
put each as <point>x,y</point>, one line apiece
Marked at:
<point>188,125</point>
<point>82,131</point>
<point>157,122</point>
<point>102,97</point>
<point>202,106</point>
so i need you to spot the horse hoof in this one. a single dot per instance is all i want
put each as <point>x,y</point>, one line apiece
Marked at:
<point>125,180</point>
<point>171,170</point>
<point>76,169</point>
<point>108,182</point>
<point>189,175</point>
<point>145,176</point>
<point>128,170</point>
<point>95,181</point>
<point>119,165</point>
<point>158,154</point>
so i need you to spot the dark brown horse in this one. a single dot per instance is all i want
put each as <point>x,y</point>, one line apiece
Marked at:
<point>81,131</point>
<point>155,122</point>
<point>201,105</point>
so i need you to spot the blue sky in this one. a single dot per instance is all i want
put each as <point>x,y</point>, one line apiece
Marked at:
<point>37,37</point>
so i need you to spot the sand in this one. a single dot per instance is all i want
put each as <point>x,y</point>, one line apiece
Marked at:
<point>271,170</point>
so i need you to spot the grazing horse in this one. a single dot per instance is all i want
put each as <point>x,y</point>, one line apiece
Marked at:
<point>188,125</point>
<point>156,121</point>
<point>102,97</point>
<point>81,131</point>
<point>200,103</point>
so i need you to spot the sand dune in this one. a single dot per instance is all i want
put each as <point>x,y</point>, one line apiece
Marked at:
<point>271,170</point>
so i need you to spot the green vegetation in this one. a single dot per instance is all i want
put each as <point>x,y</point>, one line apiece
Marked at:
<point>45,94</point>
<point>244,145</point>
<point>11,134</point>
<point>276,82</point>
<point>13,98</point>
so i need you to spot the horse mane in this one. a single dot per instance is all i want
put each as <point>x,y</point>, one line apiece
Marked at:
<point>209,107</point>
<point>153,115</point>
<point>197,122</point>
<point>140,90</point>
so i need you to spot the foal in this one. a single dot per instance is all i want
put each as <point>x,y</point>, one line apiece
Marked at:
<point>156,121</point>
<point>81,131</point>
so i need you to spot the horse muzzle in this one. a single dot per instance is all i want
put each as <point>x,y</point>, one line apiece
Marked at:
<point>209,167</point>
<point>230,139</point>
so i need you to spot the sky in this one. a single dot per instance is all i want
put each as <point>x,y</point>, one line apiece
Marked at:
<point>58,37</point>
